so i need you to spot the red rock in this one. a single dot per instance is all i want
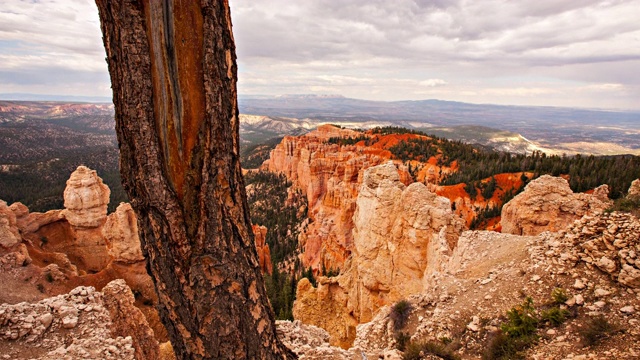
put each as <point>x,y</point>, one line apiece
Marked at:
<point>264,254</point>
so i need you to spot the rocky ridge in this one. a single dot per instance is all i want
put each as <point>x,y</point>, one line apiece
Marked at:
<point>484,274</point>
<point>549,204</point>
<point>490,273</point>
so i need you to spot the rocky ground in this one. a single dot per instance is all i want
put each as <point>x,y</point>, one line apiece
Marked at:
<point>71,326</point>
<point>569,294</point>
<point>489,274</point>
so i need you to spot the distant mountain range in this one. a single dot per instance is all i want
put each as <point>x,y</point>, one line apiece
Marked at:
<point>567,130</point>
<point>508,128</point>
<point>44,97</point>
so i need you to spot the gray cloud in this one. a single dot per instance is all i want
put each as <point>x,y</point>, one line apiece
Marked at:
<point>546,52</point>
<point>517,49</point>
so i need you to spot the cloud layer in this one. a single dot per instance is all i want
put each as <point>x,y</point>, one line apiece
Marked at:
<point>580,53</point>
<point>548,52</point>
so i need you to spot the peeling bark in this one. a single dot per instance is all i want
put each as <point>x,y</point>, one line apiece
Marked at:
<point>174,74</point>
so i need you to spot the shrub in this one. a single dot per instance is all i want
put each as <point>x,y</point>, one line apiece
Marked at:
<point>597,329</point>
<point>402,339</point>
<point>559,296</point>
<point>517,334</point>
<point>48,277</point>
<point>504,347</point>
<point>522,320</point>
<point>626,204</point>
<point>555,316</point>
<point>417,350</point>
<point>446,340</point>
<point>400,313</point>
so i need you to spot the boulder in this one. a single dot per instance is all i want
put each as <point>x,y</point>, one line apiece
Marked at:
<point>549,204</point>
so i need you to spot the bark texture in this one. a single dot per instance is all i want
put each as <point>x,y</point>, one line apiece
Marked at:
<point>173,72</point>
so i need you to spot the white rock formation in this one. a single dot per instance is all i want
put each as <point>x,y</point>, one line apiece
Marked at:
<point>400,234</point>
<point>85,199</point>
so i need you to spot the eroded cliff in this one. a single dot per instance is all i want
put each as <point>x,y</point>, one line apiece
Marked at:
<point>401,234</point>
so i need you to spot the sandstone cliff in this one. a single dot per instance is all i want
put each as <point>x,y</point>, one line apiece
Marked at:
<point>549,204</point>
<point>330,176</point>
<point>401,234</point>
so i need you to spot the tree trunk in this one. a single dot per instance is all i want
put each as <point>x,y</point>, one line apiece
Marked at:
<point>173,73</point>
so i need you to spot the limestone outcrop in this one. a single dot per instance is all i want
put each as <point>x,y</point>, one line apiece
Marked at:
<point>549,204</point>
<point>85,199</point>
<point>401,235</point>
<point>264,254</point>
<point>120,232</point>
<point>9,234</point>
<point>128,321</point>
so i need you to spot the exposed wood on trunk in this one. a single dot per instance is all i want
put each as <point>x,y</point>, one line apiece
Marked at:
<point>173,73</point>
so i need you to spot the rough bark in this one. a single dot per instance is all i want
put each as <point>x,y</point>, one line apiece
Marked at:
<point>173,73</point>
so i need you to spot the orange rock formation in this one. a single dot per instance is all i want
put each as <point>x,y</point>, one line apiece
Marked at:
<point>331,174</point>
<point>264,254</point>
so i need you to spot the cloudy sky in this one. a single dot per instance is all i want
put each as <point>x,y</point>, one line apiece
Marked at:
<point>581,53</point>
